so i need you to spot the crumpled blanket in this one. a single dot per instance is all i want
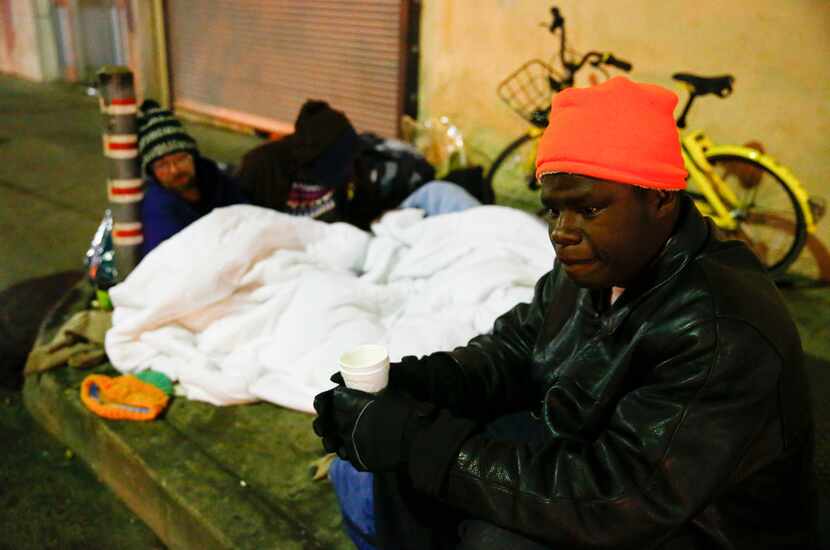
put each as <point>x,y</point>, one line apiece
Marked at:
<point>79,343</point>
<point>248,303</point>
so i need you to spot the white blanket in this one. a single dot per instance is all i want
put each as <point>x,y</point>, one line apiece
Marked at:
<point>247,303</point>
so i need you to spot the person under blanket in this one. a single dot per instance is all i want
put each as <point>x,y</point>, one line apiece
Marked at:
<point>656,375</point>
<point>181,185</point>
<point>311,172</point>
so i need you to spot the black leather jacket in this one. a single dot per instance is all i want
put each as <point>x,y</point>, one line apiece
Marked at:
<point>677,418</point>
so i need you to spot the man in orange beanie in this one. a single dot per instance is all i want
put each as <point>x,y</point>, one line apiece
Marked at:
<point>651,395</point>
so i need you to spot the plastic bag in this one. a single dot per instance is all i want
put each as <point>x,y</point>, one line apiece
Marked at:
<point>100,257</point>
<point>393,169</point>
<point>439,141</point>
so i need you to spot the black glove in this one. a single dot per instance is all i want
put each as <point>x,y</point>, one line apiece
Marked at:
<point>438,379</point>
<point>376,430</point>
<point>409,375</point>
<point>390,430</point>
<point>323,424</point>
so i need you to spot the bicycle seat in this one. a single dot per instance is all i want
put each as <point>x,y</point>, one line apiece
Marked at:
<point>702,85</point>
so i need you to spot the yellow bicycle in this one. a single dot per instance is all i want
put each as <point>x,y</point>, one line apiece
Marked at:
<point>748,195</point>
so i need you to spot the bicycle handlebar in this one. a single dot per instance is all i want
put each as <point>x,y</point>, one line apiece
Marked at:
<point>572,67</point>
<point>557,20</point>
<point>615,62</point>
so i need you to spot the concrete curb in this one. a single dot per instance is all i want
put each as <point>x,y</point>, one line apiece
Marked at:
<point>181,509</point>
<point>200,476</point>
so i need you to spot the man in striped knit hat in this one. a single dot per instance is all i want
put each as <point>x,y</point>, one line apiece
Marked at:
<point>181,185</point>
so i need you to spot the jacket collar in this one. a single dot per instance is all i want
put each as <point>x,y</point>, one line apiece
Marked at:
<point>690,234</point>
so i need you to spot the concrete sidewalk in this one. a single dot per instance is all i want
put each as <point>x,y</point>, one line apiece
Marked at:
<point>53,174</point>
<point>202,476</point>
<point>239,477</point>
<point>52,197</point>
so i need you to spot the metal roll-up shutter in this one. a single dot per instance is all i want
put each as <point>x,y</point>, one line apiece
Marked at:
<point>256,61</point>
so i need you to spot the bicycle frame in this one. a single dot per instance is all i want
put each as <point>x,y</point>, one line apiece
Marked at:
<point>720,201</point>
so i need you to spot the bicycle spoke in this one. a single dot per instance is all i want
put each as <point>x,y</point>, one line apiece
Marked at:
<point>766,213</point>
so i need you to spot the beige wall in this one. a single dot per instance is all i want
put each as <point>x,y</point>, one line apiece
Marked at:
<point>776,50</point>
<point>147,51</point>
<point>27,46</point>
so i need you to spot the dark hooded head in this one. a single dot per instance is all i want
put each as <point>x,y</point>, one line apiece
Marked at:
<point>324,144</point>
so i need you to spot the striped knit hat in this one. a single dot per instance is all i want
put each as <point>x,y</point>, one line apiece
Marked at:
<point>160,133</point>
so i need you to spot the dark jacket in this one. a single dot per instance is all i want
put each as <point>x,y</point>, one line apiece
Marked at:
<point>320,152</point>
<point>677,418</point>
<point>267,171</point>
<point>164,213</point>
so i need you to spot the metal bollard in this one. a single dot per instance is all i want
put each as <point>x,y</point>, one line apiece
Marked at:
<point>116,92</point>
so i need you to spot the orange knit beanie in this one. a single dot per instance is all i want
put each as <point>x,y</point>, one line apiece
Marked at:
<point>620,131</point>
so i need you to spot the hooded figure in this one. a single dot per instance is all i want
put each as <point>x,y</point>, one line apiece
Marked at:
<point>305,173</point>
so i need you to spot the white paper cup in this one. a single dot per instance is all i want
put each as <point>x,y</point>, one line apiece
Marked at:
<point>365,368</point>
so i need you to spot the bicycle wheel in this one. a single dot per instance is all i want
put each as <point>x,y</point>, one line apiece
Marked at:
<point>513,173</point>
<point>769,217</point>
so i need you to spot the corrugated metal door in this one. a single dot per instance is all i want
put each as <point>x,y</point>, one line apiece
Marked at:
<point>257,61</point>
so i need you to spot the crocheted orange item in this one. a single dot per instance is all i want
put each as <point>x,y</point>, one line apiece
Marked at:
<point>122,398</point>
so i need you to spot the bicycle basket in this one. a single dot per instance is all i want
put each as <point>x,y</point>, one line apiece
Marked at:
<point>528,90</point>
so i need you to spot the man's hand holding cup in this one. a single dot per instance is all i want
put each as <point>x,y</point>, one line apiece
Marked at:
<point>360,420</point>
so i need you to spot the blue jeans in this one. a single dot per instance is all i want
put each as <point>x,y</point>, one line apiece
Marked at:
<point>354,495</point>
<point>440,197</point>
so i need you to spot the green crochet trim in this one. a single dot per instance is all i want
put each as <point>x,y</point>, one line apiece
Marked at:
<point>157,379</point>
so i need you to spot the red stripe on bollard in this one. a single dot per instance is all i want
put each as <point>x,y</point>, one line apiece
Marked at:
<point>123,191</point>
<point>123,233</point>
<point>122,146</point>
